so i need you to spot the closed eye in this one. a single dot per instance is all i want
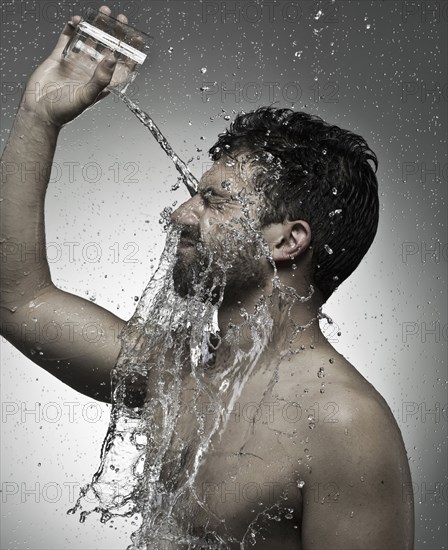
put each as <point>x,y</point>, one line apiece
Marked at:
<point>213,199</point>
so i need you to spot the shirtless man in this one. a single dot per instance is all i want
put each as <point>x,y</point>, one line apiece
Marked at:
<point>317,461</point>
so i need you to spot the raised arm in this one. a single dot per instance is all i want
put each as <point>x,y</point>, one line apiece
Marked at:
<point>72,338</point>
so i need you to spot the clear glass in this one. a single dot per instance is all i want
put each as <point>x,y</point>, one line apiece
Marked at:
<point>96,36</point>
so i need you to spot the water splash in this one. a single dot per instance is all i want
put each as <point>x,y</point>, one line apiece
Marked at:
<point>169,405</point>
<point>188,179</point>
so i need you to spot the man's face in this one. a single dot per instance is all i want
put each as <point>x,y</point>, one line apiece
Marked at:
<point>220,241</point>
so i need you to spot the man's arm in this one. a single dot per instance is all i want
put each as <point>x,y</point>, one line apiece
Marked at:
<point>359,493</point>
<point>72,338</point>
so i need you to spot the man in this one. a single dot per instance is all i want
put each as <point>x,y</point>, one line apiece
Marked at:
<point>258,432</point>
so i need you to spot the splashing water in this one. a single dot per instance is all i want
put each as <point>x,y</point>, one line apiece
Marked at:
<point>188,179</point>
<point>146,467</point>
<point>170,407</point>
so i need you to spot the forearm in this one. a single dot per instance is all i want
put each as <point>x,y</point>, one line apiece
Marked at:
<point>25,172</point>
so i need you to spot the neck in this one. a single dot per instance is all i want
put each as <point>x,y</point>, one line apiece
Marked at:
<point>294,311</point>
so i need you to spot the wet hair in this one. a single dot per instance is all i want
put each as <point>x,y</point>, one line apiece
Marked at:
<point>313,171</point>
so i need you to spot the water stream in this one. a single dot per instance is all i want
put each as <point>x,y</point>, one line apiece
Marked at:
<point>188,179</point>
<point>166,409</point>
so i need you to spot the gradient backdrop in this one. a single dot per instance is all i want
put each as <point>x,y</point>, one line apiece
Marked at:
<point>377,68</point>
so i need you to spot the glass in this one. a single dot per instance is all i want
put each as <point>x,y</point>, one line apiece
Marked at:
<point>96,36</point>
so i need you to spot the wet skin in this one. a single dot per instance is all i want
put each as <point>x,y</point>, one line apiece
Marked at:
<point>352,462</point>
<point>309,455</point>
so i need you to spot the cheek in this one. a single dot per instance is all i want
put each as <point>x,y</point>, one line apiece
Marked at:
<point>213,226</point>
<point>213,221</point>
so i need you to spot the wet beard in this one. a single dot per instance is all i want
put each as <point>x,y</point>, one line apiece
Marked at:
<point>204,275</point>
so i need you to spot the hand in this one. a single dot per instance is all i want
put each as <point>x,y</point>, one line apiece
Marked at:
<point>58,91</point>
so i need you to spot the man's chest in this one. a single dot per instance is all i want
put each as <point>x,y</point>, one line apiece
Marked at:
<point>229,475</point>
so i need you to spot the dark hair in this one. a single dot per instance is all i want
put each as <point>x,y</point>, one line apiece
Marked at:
<point>311,170</point>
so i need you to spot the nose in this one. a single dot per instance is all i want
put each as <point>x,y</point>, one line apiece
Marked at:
<point>188,213</point>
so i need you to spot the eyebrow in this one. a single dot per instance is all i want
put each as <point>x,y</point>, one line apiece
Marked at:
<point>216,190</point>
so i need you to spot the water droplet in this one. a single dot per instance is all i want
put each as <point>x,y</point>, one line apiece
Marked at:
<point>334,213</point>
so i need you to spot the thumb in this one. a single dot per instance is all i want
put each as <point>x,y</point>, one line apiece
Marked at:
<point>100,79</point>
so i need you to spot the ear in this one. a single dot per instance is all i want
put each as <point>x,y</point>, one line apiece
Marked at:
<point>288,240</point>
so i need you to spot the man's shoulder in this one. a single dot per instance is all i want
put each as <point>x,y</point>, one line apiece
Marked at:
<point>346,454</point>
<point>341,413</point>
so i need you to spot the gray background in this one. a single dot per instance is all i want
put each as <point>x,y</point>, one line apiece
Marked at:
<point>378,68</point>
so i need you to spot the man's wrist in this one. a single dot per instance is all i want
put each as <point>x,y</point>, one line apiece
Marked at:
<point>30,114</point>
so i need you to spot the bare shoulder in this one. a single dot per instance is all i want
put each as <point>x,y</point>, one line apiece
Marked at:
<point>351,454</point>
<point>342,408</point>
<point>326,377</point>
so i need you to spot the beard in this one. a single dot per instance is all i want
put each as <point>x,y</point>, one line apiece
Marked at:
<point>227,265</point>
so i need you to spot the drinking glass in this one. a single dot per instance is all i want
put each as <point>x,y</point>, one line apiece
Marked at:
<point>98,35</point>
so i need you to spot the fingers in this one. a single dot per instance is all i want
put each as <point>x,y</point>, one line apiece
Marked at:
<point>106,10</point>
<point>120,27</point>
<point>100,79</point>
<point>101,20</point>
<point>115,26</point>
<point>71,25</point>
<point>68,32</point>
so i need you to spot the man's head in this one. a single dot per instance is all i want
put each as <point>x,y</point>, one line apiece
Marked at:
<point>293,178</point>
<point>312,171</point>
